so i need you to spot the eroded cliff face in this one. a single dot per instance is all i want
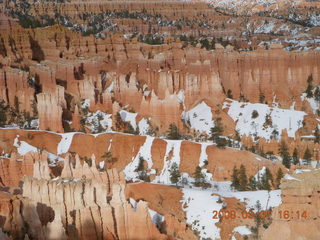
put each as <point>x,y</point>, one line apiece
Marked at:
<point>156,81</point>
<point>94,206</point>
<point>298,215</point>
<point>123,149</point>
<point>116,94</point>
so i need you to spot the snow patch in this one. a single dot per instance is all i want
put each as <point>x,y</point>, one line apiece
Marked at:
<point>144,127</point>
<point>144,152</point>
<point>65,143</point>
<point>129,117</point>
<point>173,146</point>
<point>243,230</point>
<point>199,206</point>
<point>99,121</point>
<point>289,177</point>
<point>199,118</point>
<point>251,119</point>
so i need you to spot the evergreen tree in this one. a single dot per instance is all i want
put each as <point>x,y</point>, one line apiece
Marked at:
<point>235,182</point>
<point>266,180</point>
<point>173,132</point>
<point>286,160</point>
<point>309,87</point>
<point>307,157</point>
<point>3,113</point>
<point>199,178</point>
<point>243,180</point>
<point>174,173</point>
<point>140,165</point>
<point>269,175</point>
<point>317,94</point>
<point>283,150</point>
<point>279,177</point>
<point>217,130</point>
<point>257,219</point>
<point>253,183</point>
<point>295,157</point>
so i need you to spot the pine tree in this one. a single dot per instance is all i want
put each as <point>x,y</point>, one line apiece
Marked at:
<point>253,183</point>
<point>3,112</point>
<point>257,219</point>
<point>235,182</point>
<point>317,94</point>
<point>174,173</point>
<point>283,150</point>
<point>269,175</point>
<point>286,160</point>
<point>309,87</point>
<point>243,180</point>
<point>295,157</point>
<point>307,157</point>
<point>217,130</point>
<point>266,180</point>
<point>173,132</point>
<point>279,177</point>
<point>140,165</point>
<point>199,177</point>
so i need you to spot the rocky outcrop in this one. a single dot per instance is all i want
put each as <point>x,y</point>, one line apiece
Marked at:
<point>124,148</point>
<point>72,208</point>
<point>156,81</point>
<point>298,216</point>
<point>13,169</point>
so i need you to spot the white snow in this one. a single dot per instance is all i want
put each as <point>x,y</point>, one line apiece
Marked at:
<point>243,230</point>
<point>156,218</point>
<point>241,113</point>
<point>203,154</point>
<point>260,174</point>
<point>34,123</point>
<point>133,203</point>
<point>85,103</point>
<point>144,152</point>
<point>101,164</point>
<point>97,119</point>
<point>110,88</point>
<point>181,98</point>
<point>144,126</point>
<point>313,103</point>
<point>199,118</point>
<point>129,117</point>
<point>298,171</point>
<point>65,143</point>
<point>174,147</point>
<point>24,147</point>
<point>199,206</point>
<point>265,28</point>
<point>289,177</point>
<point>267,199</point>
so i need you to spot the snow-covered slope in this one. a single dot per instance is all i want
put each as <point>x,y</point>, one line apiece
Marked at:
<point>263,121</point>
<point>199,118</point>
<point>199,207</point>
